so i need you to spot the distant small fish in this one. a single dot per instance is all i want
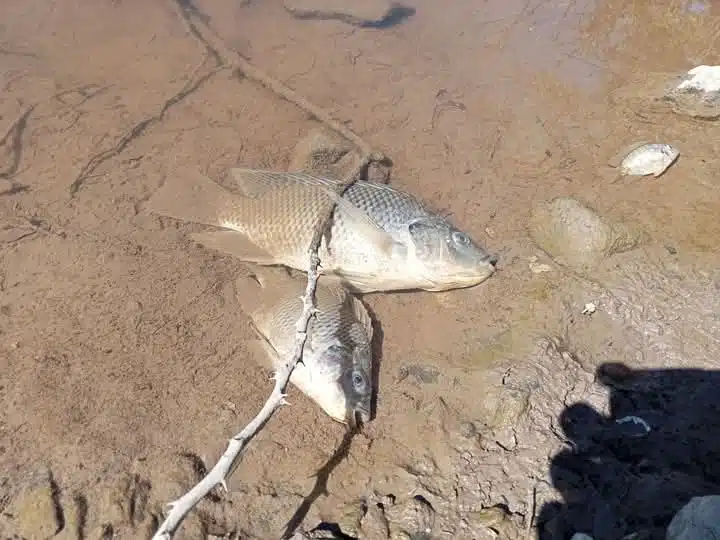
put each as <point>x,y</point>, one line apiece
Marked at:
<point>336,370</point>
<point>380,239</point>
<point>643,159</point>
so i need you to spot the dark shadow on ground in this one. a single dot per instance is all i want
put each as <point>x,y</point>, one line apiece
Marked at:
<point>320,487</point>
<point>618,479</point>
<point>377,351</point>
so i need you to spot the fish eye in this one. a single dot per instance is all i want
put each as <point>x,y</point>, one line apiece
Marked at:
<point>358,381</point>
<point>461,239</point>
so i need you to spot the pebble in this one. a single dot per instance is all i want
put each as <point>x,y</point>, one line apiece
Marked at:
<point>575,235</point>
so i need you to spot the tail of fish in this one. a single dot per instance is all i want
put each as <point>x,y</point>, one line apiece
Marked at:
<point>193,198</point>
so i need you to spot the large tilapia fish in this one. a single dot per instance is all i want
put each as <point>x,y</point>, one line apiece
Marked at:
<point>380,239</point>
<point>336,370</point>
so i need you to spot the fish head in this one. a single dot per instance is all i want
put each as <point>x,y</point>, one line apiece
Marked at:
<point>358,385</point>
<point>448,257</point>
<point>345,389</point>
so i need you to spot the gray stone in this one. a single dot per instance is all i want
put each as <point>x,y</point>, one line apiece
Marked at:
<point>697,520</point>
<point>575,235</point>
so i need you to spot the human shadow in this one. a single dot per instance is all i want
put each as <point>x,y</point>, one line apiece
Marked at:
<point>629,473</point>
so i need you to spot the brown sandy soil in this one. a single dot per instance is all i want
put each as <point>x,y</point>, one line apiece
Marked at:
<point>121,343</point>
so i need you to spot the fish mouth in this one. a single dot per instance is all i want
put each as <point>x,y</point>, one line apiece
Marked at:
<point>358,417</point>
<point>462,279</point>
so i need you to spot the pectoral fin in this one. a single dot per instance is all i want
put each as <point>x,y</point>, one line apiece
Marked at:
<point>235,244</point>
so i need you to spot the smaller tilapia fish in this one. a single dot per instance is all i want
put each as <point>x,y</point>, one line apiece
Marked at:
<point>642,159</point>
<point>336,369</point>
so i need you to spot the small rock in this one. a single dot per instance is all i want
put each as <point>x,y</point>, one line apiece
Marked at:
<point>634,426</point>
<point>700,518</point>
<point>35,512</point>
<point>538,267</point>
<point>589,309</point>
<point>575,235</point>
<point>581,536</point>
<point>354,12</point>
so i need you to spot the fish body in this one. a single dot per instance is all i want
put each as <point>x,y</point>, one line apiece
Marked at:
<point>646,159</point>
<point>380,238</point>
<point>336,368</point>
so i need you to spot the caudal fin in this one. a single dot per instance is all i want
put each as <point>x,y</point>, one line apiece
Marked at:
<point>191,197</point>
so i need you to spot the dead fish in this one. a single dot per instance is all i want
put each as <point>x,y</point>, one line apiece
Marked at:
<point>380,239</point>
<point>336,370</point>
<point>642,159</point>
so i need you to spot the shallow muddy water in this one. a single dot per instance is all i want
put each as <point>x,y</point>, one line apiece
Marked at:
<point>122,343</point>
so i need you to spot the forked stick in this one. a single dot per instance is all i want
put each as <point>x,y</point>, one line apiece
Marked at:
<point>227,462</point>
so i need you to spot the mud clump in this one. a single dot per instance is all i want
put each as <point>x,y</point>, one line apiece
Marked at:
<point>326,153</point>
<point>35,512</point>
<point>575,235</point>
<point>413,518</point>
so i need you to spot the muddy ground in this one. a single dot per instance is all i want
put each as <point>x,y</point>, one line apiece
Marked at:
<point>123,365</point>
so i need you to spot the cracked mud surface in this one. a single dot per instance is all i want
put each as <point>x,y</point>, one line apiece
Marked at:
<point>121,344</point>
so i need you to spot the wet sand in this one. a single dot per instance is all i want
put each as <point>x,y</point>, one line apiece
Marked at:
<point>121,342</point>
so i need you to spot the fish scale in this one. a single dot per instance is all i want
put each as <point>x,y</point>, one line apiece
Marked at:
<point>331,323</point>
<point>390,209</point>
<point>281,226</point>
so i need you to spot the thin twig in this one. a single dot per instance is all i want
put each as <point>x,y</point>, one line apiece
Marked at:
<point>198,27</point>
<point>228,461</point>
<point>225,466</point>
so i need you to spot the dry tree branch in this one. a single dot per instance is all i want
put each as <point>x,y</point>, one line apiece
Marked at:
<point>196,24</point>
<point>227,462</point>
<point>218,475</point>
